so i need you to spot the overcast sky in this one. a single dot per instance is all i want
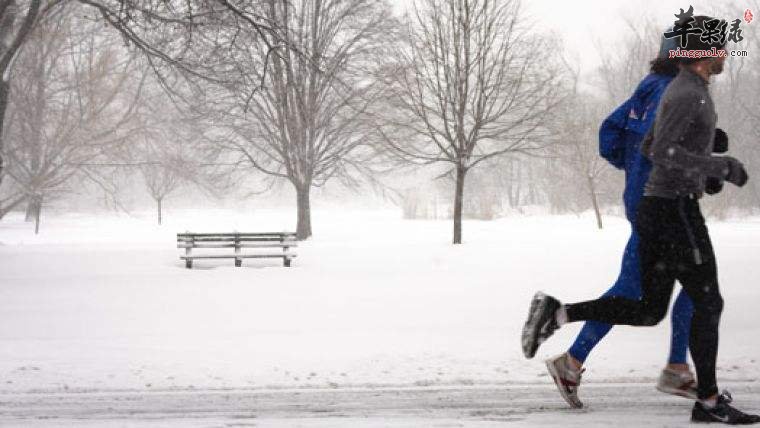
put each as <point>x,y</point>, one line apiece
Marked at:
<point>579,22</point>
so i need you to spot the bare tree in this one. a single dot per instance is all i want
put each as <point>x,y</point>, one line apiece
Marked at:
<point>162,175</point>
<point>304,125</point>
<point>579,149</point>
<point>169,34</point>
<point>578,146</point>
<point>620,74</point>
<point>737,95</point>
<point>169,153</point>
<point>71,106</point>
<point>471,84</point>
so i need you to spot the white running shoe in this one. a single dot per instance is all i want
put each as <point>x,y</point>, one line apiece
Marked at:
<point>682,384</point>
<point>567,379</point>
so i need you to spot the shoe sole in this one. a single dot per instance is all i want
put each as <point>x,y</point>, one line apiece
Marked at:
<point>555,376</point>
<point>676,392</point>
<point>530,341</point>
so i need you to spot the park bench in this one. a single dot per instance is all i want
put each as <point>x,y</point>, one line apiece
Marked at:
<point>237,242</point>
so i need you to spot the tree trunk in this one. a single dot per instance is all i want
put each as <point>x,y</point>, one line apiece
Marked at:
<point>518,188</point>
<point>594,202</point>
<point>5,89</point>
<point>33,208</point>
<point>8,55</point>
<point>158,202</point>
<point>458,198</point>
<point>511,185</point>
<point>38,210</point>
<point>303,227</point>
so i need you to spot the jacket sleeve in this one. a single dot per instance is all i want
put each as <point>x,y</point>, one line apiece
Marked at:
<point>611,133</point>
<point>667,149</point>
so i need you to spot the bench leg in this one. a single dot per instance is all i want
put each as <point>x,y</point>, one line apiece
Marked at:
<point>286,261</point>
<point>189,264</point>
<point>238,262</point>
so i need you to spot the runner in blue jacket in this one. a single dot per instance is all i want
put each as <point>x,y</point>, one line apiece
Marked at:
<point>620,140</point>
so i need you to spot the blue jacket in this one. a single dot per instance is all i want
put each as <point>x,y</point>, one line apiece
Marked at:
<point>622,132</point>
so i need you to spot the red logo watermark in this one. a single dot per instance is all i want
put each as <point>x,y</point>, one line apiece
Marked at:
<point>748,16</point>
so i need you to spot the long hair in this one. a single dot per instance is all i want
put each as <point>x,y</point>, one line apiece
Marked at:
<point>664,66</point>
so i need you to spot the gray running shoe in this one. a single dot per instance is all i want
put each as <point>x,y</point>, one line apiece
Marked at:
<point>540,323</point>
<point>567,379</point>
<point>682,384</point>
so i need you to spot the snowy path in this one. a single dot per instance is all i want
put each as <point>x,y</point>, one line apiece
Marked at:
<point>622,405</point>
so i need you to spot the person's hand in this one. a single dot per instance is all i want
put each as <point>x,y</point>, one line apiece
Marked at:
<point>735,172</point>
<point>713,186</point>
<point>720,142</point>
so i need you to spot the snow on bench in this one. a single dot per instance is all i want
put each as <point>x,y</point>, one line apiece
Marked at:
<point>237,241</point>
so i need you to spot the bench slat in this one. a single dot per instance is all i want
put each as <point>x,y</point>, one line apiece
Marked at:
<point>241,256</point>
<point>217,245</point>
<point>234,239</point>
<point>227,235</point>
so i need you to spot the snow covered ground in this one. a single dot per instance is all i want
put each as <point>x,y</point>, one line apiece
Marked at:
<point>620,405</point>
<point>103,305</point>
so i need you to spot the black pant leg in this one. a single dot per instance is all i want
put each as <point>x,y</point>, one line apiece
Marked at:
<point>701,283</point>
<point>647,312</point>
<point>658,273</point>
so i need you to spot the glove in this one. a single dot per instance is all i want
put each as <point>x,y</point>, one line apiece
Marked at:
<point>720,142</point>
<point>736,174</point>
<point>713,186</point>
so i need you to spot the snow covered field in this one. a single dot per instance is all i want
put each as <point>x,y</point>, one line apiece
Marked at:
<point>105,306</point>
